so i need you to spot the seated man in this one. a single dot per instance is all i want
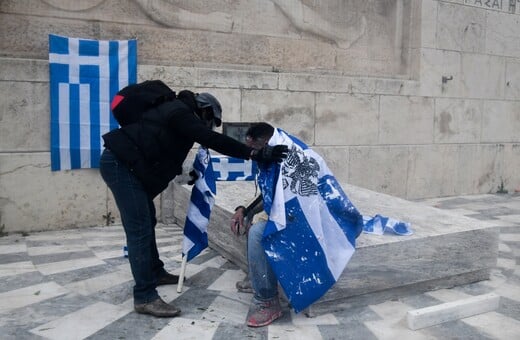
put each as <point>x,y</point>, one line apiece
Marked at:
<point>266,305</point>
<point>309,234</point>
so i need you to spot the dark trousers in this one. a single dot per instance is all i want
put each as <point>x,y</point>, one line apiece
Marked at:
<point>137,212</point>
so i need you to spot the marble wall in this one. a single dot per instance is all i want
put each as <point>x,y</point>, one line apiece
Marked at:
<point>411,98</point>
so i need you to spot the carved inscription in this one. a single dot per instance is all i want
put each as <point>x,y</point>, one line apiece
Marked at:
<point>500,5</point>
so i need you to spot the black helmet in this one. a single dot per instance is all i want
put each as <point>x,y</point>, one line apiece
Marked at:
<point>205,100</point>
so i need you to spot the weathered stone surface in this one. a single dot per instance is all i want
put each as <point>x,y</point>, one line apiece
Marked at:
<point>512,90</point>
<point>500,39</point>
<point>436,64</point>
<point>382,169</point>
<point>333,36</point>
<point>458,121</point>
<point>344,119</point>
<point>24,113</point>
<point>501,116</point>
<point>461,28</point>
<point>446,249</point>
<point>431,171</point>
<point>65,199</point>
<point>398,115</point>
<point>288,110</point>
<point>429,23</point>
<point>482,76</point>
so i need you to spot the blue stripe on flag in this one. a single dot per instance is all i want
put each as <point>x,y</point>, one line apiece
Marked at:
<point>88,48</point>
<point>197,198</point>
<point>132,61</point>
<point>341,209</point>
<point>114,71</point>
<point>58,45</point>
<point>61,76</point>
<point>300,264</point>
<point>74,126</point>
<point>199,239</point>
<point>90,75</point>
<point>84,76</point>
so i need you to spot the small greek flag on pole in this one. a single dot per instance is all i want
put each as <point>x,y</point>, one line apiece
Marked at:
<point>84,76</point>
<point>199,209</point>
<point>201,202</point>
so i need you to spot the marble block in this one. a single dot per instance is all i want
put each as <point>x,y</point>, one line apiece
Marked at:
<point>445,250</point>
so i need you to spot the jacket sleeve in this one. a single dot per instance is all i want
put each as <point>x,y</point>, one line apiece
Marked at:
<point>190,127</point>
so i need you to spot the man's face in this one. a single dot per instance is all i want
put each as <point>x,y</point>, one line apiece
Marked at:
<point>256,143</point>
<point>207,117</point>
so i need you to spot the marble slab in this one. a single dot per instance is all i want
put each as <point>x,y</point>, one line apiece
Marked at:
<point>447,249</point>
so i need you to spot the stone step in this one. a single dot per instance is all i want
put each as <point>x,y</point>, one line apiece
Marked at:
<point>445,250</point>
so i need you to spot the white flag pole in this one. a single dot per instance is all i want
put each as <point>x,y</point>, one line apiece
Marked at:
<point>182,273</point>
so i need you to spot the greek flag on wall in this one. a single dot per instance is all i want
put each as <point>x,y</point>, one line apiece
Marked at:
<point>84,76</point>
<point>312,227</point>
<point>199,209</point>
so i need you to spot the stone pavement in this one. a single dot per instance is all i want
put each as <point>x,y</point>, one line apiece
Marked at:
<point>76,284</point>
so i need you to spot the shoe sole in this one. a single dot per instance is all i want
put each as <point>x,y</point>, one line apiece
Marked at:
<point>159,315</point>
<point>276,316</point>
<point>172,315</point>
<point>245,290</point>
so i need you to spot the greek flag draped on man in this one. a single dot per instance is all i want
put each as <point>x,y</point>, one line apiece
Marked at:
<point>312,227</point>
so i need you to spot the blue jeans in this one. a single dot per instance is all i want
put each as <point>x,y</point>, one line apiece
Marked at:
<point>263,279</point>
<point>138,217</point>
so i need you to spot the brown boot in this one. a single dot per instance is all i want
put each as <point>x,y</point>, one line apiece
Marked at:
<point>157,308</point>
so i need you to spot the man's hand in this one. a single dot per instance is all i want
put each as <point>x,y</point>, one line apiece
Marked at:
<point>237,222</point>
<point>269,154</point>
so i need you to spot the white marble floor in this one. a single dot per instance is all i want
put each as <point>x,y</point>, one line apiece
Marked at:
<point>76,284</point>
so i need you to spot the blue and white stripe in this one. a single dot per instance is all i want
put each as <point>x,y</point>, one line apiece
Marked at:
<point>199,209</point>
<point>84,76</point>
<point>233,169</point>
<point>312,227</point>
<point>379,225</point>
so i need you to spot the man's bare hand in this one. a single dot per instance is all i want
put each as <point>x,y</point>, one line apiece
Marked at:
<point>237,224</point>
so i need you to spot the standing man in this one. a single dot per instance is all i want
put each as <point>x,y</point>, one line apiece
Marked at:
<point>139,161</point>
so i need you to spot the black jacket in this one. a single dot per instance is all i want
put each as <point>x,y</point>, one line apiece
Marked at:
<point>155,147</point>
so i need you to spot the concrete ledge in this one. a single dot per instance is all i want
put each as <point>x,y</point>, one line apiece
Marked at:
<point>446,250</point>
<point>449,311</point>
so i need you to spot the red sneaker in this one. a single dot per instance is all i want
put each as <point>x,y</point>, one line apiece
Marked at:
<point>262,313</point>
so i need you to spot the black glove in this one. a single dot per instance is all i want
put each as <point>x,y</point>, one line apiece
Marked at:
<point>269,154</point>
<point>193,177</point>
